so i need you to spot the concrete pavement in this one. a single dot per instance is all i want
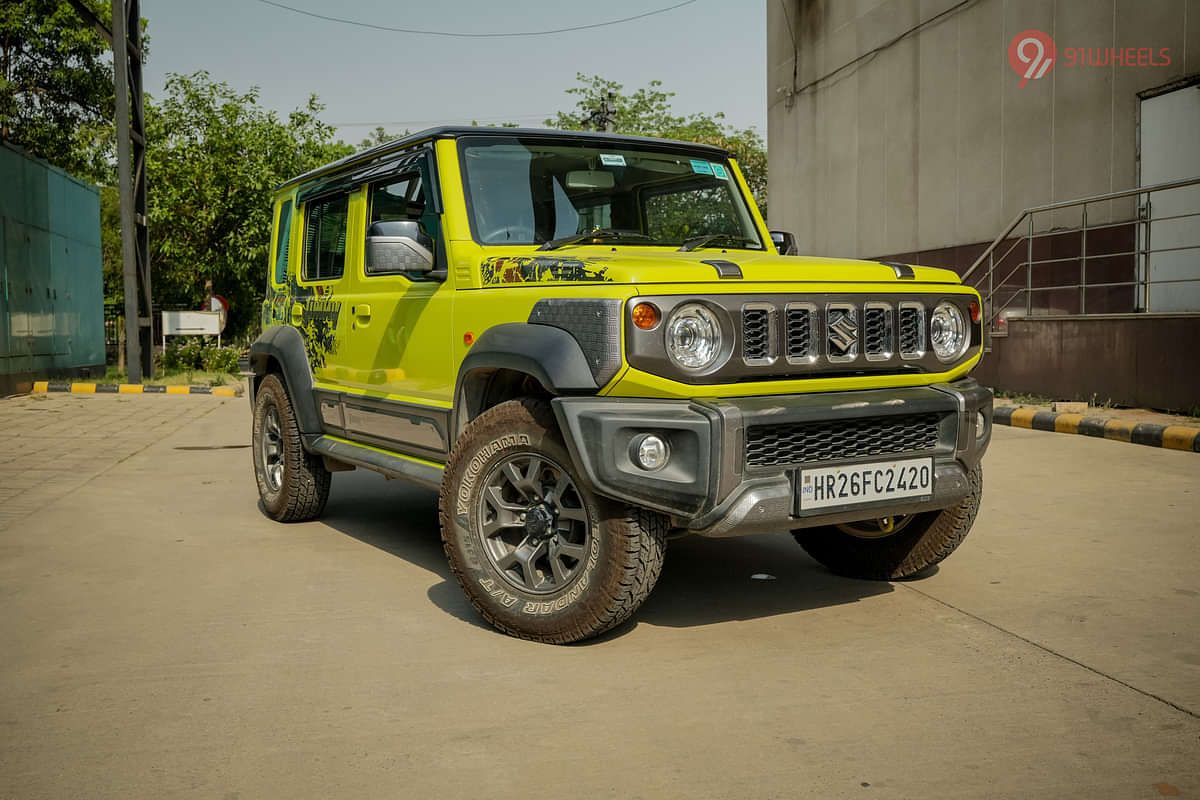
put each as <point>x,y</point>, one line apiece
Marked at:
<point>162,638</point>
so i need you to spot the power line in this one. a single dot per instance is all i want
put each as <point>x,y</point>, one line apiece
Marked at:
<point>457,35</point>
<point>409,123</point>
<point>873,51</point>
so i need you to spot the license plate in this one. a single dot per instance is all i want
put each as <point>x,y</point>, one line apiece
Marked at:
<point>822,487</point>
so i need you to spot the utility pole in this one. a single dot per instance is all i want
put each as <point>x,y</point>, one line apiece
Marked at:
<point>131,172</point>
<point>602,118</point>
<point>126,40</point>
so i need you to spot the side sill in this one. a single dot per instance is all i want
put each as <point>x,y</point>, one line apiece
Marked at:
<point>393,465</point>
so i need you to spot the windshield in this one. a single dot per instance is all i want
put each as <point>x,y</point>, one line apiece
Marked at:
<point>534,191</point>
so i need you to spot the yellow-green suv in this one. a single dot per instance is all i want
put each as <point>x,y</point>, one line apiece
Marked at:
<point>590,344</point>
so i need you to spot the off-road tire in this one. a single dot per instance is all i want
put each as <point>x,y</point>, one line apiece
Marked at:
<point>304,484</point>
<point>625,546</point>
<point>925,541</point>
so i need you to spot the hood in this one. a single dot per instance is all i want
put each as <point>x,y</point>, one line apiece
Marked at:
<point>601,264</point>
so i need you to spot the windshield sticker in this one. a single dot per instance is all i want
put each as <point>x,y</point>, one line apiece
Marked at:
<point>610,160</point>
<point>701,167</point>
<point>718,171</point>
<point>501,270</point>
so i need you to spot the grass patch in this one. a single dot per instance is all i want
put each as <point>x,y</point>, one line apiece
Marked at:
<point>1024,399</point>
<point>179,377</point>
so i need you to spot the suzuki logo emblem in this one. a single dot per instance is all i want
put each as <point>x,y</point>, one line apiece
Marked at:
<point>843,332</point>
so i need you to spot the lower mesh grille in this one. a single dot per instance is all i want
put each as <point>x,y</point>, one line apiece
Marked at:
<point>829,440</point>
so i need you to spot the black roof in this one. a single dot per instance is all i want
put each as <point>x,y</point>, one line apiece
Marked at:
<point>455,131</point>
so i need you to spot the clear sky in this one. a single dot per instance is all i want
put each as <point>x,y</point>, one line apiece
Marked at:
<point>711,53</point>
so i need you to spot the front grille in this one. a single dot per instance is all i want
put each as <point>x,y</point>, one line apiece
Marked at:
<point>822,336</point>
<point>830,440</point>
<point>756,334</point>
<point>877,322</point>
<point>912,344</point>
<point>800,341</point>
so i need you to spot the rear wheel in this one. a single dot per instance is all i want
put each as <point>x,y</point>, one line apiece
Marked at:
<point>890,548</point>
<point>538,553</point>
<point>293,484</point>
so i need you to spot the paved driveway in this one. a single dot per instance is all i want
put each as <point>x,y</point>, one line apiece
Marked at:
<point>161,638</point>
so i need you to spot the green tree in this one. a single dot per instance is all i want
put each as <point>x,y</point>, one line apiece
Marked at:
<point>213,157</point>
<point>110,244</point>
<point>379,136</point>
<point>56,85</point>
<point>647,112</point>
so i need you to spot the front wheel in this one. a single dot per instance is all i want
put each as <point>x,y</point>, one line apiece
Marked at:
<point>538,553</point>
<point>292,483</point>
<point>891,548</point>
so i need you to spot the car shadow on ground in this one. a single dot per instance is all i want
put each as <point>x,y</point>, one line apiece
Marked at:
<point>704,581</point>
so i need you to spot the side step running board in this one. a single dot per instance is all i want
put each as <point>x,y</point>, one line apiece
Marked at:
<point>392,465</point>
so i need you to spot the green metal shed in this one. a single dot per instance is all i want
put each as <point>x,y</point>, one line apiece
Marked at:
<point>51,284</point>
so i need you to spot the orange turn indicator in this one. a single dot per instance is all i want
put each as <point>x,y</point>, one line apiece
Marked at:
<point>645,316</point>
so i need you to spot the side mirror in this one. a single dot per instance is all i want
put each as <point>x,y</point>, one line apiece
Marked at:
<point>398,246</point>
<point>785,243</point>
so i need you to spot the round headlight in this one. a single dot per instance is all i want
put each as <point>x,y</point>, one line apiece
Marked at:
<point>947,332</point>
<point>693,337</point>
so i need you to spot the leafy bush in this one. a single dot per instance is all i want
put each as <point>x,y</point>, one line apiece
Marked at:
<point>185,353</point>
<point>221,359</point>
<point>194,353</point>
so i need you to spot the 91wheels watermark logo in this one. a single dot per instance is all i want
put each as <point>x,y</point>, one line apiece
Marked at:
<point>1031,53</point>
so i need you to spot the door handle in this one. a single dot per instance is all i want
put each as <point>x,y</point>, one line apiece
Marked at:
<point>362,312</point>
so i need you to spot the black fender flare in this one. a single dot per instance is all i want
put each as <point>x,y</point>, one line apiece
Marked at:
<point>550,355</point>
<point>285,344</point>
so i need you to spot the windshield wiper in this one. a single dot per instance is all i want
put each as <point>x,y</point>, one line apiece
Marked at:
<point>696,242</point>
<point>594,234</point>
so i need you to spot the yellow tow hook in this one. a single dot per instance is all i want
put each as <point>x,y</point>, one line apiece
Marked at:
<point>886,524</point>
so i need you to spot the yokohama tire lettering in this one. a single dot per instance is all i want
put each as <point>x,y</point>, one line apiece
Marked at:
<point>476,466</point>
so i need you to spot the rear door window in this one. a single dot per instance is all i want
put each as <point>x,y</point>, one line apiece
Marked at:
<point>325,238</point>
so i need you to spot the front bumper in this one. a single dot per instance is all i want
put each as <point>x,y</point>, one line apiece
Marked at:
<point>713,486</point>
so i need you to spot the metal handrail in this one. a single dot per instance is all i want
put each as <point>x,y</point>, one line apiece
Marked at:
<point>1082,201</point>
<point>1028,290</point>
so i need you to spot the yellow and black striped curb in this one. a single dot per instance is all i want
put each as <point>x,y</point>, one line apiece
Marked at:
<point>1176,437</point>
<point>133,388</point>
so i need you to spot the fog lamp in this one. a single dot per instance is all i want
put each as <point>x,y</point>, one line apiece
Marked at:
<point>650,452</point>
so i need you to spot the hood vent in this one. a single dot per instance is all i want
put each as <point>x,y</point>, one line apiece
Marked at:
<point>903,271</point>
<point>725,269</point>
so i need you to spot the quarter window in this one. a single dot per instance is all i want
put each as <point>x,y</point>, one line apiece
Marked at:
<point>283,236</point>
<point>325,238</point>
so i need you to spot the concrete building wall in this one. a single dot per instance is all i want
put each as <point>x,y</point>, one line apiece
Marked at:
<point>930,143</point>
